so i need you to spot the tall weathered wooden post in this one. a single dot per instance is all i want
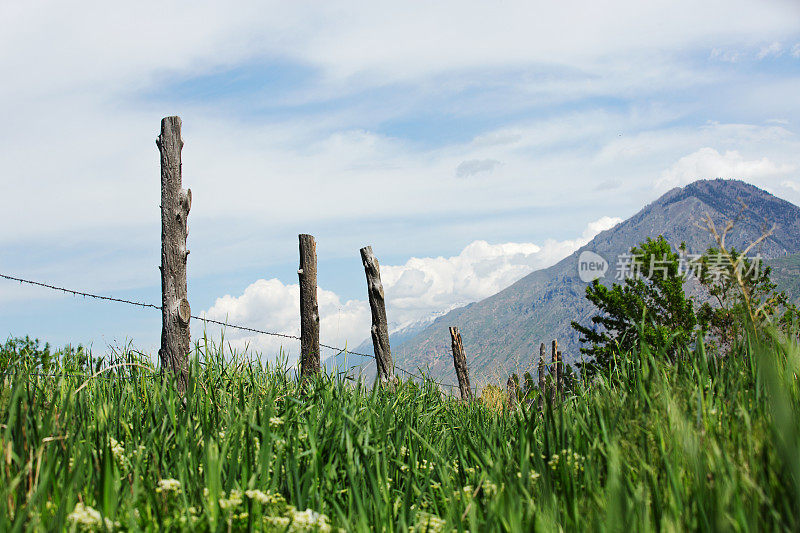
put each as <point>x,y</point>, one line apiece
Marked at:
<point>309,308</point>
<point>380,326</point>
<point>460,364</point>
<point>175,205</point>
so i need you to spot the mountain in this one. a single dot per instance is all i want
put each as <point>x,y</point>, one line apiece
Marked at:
<point>502,333</point>
<point>786,275</point>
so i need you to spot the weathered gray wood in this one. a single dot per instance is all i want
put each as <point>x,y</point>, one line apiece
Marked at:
<point>559,373</point>
<point>542,376</point>
<point>309,308</point>
<point>460,363</point>
<point>511,393</point>
<point>380,326</point>
<point>175,205</point>
<point>554,370</point>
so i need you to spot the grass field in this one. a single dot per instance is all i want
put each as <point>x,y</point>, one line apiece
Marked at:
<point>702,444</point>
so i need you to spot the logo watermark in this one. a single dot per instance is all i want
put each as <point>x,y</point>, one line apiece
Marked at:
<point>591,266</point>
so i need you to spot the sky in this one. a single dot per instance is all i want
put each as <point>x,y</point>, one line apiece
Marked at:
<point>468,142</point>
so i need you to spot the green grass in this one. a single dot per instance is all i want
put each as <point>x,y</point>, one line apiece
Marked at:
<point>704,444</point>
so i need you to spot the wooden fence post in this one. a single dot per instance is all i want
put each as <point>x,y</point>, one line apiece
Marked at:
<point>554,370</point>
<point>460,363</point>
<point>309,309</point>
<point>380,326</point>
<point>511,392</point>
<point>542,376</point>
<point>175,205</point>
<point>560,373</point>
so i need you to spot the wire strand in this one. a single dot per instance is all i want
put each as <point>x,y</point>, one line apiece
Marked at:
<point>205,320</point>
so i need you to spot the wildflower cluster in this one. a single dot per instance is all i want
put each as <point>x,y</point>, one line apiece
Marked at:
<point>428,523</point>
<point>85,518</point>
<point>168,486</point>
<point>233,500</point>
<point>572,461</point>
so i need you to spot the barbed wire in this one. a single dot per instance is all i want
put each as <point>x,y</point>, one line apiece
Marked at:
<point>206,320</point>
<point>79,293</point>
<point>73,375</point>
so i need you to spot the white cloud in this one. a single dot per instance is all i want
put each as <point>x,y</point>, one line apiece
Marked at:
<point>709,163</point>
<point>775,49</point>
<point>598,226</point>
<point>417,290</point>
<point>729,56</point>
<point>269,305</point>
<point>790,184</point>
<point>475,166</point>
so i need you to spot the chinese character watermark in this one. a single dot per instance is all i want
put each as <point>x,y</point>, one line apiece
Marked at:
<point>716,266</point>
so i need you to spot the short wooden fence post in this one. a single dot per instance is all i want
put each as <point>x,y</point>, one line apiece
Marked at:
<point>460,363</point>
<point>560,374</point>
<point>554,370</point>
<point>511,392</point>
<point>309,309</point>
<point>542,376</point>
<point>380,326</point>
<point>175,205</point>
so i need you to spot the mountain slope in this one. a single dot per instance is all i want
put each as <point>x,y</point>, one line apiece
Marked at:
<point>502,332</point>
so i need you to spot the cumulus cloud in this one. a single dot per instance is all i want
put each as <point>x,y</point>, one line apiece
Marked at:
<point>269,305</point>
<point>709,163</point>
<point>419,289</point>
<point>598,226</point>
<point>476,166</point>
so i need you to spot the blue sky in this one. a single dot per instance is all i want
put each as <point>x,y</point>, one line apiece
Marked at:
<point>468,142</point>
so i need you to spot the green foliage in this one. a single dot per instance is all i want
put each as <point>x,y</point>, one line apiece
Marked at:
<point>650,308</point>
<point>30,356</point>
<point>708,444</point>
<point>740,289</point>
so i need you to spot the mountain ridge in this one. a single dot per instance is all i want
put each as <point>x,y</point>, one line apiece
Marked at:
<point>501,333</point>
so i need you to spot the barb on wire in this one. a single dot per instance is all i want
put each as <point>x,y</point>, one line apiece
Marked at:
<point>203,319</point>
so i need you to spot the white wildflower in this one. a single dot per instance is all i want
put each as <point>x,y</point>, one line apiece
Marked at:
<point>309,520</point>
<point>264,498</point>
<point>85,517</point>
<point>233,500</point>
<point>169,485</point>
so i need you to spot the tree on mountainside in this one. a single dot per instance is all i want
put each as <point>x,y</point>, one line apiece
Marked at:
<point>740,289</point>
<point>650,307</point>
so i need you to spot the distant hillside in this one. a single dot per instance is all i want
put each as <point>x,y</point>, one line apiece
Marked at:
<point>786,274</point>
<point>501,333</point>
